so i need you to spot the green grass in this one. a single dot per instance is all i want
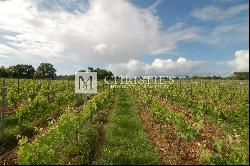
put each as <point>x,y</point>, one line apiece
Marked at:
<point>126,142</point>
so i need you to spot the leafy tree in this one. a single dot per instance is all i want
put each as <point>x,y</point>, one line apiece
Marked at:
<point>23,71</point>
<point>90,69</point>
<point>3,72</point>
<point>45,70</point>
<point>241,75</point>
<point>102,74</point>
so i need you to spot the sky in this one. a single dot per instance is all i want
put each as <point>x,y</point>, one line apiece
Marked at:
<point>128,37</point>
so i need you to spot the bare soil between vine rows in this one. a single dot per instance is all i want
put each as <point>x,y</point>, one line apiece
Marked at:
<point>164,137</point>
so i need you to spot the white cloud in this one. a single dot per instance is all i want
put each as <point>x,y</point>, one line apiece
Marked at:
<point>159,67</point>
<point>241,61</point>
<point>211,12</point>
<point>107,31</point>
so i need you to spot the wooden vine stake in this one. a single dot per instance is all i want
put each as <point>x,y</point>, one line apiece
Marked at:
<point>3,103</point>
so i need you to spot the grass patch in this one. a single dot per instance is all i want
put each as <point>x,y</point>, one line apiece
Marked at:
<point>126,140</point>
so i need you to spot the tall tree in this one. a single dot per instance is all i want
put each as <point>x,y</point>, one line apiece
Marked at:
<point>45,70</point>
<point>241,75</point>
<point>102,74</point>
<point>23,71</point>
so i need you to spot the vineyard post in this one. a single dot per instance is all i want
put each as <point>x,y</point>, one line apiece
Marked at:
<point>18,86</point>
<point>3,103</point>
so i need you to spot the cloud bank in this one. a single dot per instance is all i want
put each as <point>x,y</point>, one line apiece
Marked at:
<point>158,67</point>
<point>241,61</point>
<point>111,33</point>
<point>104,30</point>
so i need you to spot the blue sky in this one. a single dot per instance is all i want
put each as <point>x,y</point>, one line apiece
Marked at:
<point>174,11</point>
<point>135,37</point>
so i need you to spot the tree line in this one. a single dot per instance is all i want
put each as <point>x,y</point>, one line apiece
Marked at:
<point>101,74</point>
<point>45,71</point>
<point>234,76</point>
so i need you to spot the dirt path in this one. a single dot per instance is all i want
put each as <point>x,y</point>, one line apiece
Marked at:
<point>165,139</point>
<point>174,151</point>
